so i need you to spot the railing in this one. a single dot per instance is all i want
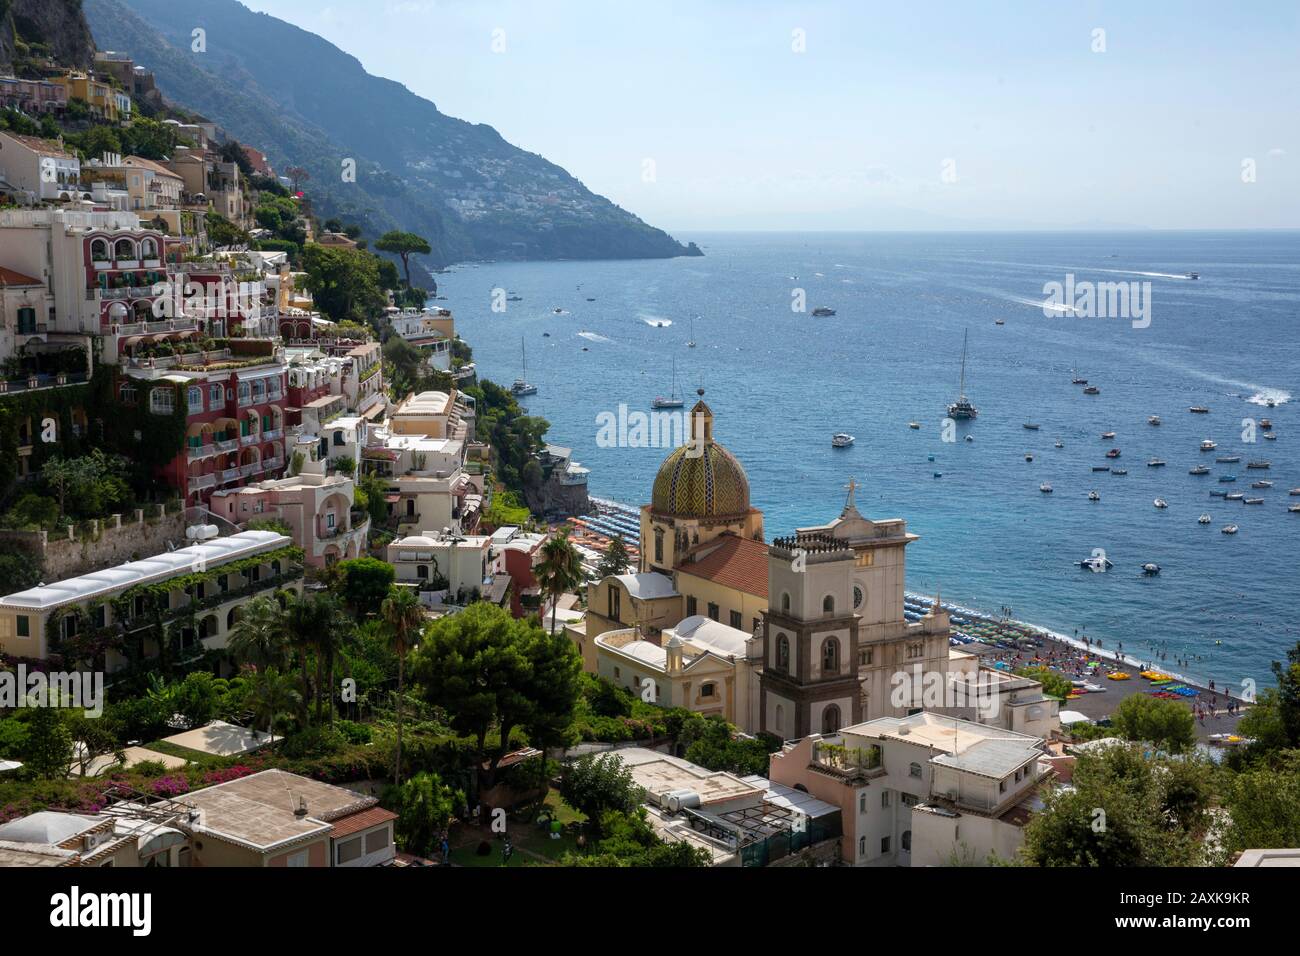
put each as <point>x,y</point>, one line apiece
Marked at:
<point>230,474</point>
<point>253,469</point>
<point>203,481</point>
<point>197,452</point>
<point>273,464</point>
<point>128,292</point>
<point>273,435</point>
<point>228,445</point>
<point>163,325</point>
<point>250,439</point>
<point>842,759</point>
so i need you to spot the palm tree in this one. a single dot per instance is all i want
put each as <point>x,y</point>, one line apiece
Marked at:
<point>258,636</point>
<point>271,695</point>
<point>560,569</point>
<point>335,634</point>
<point>403,618</point>
<point>305,619</point>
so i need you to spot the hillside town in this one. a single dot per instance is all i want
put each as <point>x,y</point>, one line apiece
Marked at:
<point>285,581</point>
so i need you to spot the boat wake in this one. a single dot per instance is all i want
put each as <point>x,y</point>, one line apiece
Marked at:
<point>593,337</point>
<point>654,321</point>
<point>1153,275</point>
<point>1265,396</point>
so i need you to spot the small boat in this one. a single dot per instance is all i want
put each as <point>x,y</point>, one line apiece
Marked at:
<point>1235,496</point>
<point>1199,410</point>
<point>673,400</point>
<point>822,312</point>
<point>1153,420</point>
<point>557,310</point>
<point>1265,424</point>
<point>521,385</point>
<point>1107,436</point>
<point>1258,465</point>
<point>970,438</point>
<point>1228,459</point>
<point>1294,492</point>
<point>938,474</point>
<point>514,298</point>
<point>1096,564</point>
<point>1229,529</point>
<point>1045,488</point>
<point>1193,275</point>
<point>1000,322</point>
<point>591,300</point>
<point>1060,444</point>
<point>1101,467</point>
<point>1208,445</point>
<point>1254,501</point>
<point>1161,503</point>
<point>1261,484</point>
<point>1113,453</point>
<point>1030,426</point>
<point>1226,478</point>
<point>1092,390</point>
<point>1079,381</point>
<point>1218,494</point>
<point>1204,519</point>
<point>1093,496</point>
<point>1200,470</point>
<point>1119,471</point>
<point>1157,463</point>
<point>1270,436</point>
<point>1294,509</point>
<point>1150,569</point>
<point>842,440</point>
<point>915,426</point>
<point>1028,457</point>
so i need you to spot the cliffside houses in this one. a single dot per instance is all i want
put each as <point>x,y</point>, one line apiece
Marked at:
<point>429,330</point>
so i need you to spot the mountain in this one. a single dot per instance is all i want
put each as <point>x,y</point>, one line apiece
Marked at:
<point>307,103</point>
<point>57,25</point>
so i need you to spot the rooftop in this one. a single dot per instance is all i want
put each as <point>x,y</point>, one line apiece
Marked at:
<point>710,635</point>
<point>659,775</point>
<point>732,561</point>
<point>647,585</point>
<point>964,745</point>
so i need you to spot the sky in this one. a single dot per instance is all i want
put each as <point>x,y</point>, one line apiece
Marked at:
<point>861,115</point>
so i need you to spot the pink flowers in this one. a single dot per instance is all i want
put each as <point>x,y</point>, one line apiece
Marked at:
<point>171,786</point>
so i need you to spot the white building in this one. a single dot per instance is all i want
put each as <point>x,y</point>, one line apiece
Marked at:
<point>41,168</point>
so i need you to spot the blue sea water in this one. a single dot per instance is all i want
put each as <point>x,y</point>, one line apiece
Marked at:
<point>780,383</point>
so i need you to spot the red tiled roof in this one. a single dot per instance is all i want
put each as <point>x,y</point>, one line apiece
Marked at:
<point>364,820</point>
<point>731,561</point>
<point>9,277</point>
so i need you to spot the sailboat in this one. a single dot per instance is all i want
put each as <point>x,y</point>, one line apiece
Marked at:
<point>962,408</point>
<point>691,343</point>
<point>522,386</point>
<point>674,400</point>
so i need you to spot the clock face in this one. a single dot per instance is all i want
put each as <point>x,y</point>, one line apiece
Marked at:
<point>858,596</point>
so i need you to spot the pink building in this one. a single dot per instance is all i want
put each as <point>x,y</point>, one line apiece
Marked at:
<point>318,508</point>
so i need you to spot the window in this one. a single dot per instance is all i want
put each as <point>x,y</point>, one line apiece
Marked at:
<point>906,841</point>
<point>828,604</point>
<point>864,656</point>
<point>659,544</point>
<point>785,603</point>
<point>714,611</point>
<point>692,606</point>
<point>909,799</point>
<point>831,655</point>
<point>100,615</point>
<point>615,603</point>
<point>162,401</point>
<point>215,396</point>
<point>223,583</point>
<point>736,620</point>
<point>24,626</point>
<point>338,438</point>
<point>329,520</point>
<point>914,770</point>
<point>617,673</point>
<point>422,571</point>
<point>862,803</point>
<point>298,859</point>
<point>708,689</point>
<point>26,321</point>
<point>126,394</point>
<point>377,840</point>
<point>884,844</point>
<point>859,596</point>
<point>783,652</point>
<point>350,850</point>
<point>862,846</point>
<point>245,393</point>
<point>884,799</point>
<point>196,400</point>
<point>780,719</point>
<point>1002,786</point>
<point>831,719</point>
<point>916,649</point>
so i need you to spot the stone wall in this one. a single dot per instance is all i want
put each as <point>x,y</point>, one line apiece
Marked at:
<point>99,544</point>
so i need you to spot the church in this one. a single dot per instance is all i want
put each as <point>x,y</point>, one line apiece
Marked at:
<point>809,629</point>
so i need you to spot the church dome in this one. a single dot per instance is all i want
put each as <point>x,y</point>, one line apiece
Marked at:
<point>695,484</point>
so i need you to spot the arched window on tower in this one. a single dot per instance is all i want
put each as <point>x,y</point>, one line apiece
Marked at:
<point>782,652</point>
<point>828,604</point>
<point>831,719</point>
<point>785,602</point>
<point>831,656</point>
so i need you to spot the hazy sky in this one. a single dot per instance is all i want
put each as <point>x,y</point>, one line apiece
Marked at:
<point>935,114</point>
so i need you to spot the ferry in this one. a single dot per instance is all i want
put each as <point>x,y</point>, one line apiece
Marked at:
<point>962,408</point>
<point>1230,529</point>
<point>842,440</point>
<point>1200,470</point>
<point>1199,410</point>
<point>1208,445</point>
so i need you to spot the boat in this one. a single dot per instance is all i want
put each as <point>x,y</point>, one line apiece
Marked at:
<point>970,438</point>
<point>1265,424</point>
<point>1228,459</point>
<point>1119,471</point>
<point>521,385</point>
<point>1200,470</point>
<point>1294,492</point>
<point>591,300</point>
<point>1208,445</point>
<point>822,312</point>
<point>1028,457</point>
<point>1229,529</point>
<point>1235,496</point>
<point>1157,463</point>
<point>1270,436</point>
<point>557,310</point>
<point>1031,427</point>
<point>1045,488</point>
<point>962,408</point>
<point>1101,467</point>
<point>1097,563</point>
<point>1078,381</point>
<point>1258,465</point>
<point>1107,436</point>
<point>1199,410</point>
<point>1294,509</point>
<point>1224,478</point>
<point>1218,494</point>
<point>1000,322</point>
<point>1113,453</point>
<point>514,298</point>
<point>1161,503</point>
<point>1261,484</point>
<point>1060,444</point>
<point>1204,519</point>
<point>1093,496</point>
<point>1153,420</point>
<point>1092,390</point>
<point>1150,569</point>
<point>1254,501</point>
<point>691,343</point>
<point>1193,275</point>
<point>673,400</point>
<point>915,426</point>
<point>842,440</point>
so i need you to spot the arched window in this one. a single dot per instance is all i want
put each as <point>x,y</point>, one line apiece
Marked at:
<point>659,544</point>
<point>859,596</point>
<point>831,719</point>
<point>124,249</point>
<point>785,602</point>
<point>831,655</point>
<point>148,248</point>
<point>780,719</point>
<point>782,652</point>
<point>907,841</point>
<point>828,604</point>
<point>99,250</point>
<point>196,399</point>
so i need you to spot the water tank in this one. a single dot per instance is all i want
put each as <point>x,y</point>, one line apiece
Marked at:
<point>202,532</point>
<point>679,800</point>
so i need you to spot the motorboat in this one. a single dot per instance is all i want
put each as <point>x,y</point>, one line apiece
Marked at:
<point>1161,503</point>
<point>1032,427</point>
<point>1000,322</point>
<point>1204,519</point>
<point>1193,275</point>
<point>1060,444</point>
<point>1226,478</point>
<point>1294,509</point>
<point>1254,501</point>
<point>970,438</point>
<point>1228,459</point>
<point>1096,563</point>
<point>1101,467</point>
<point>1229,529</point>
<point>1093,496</point>
<point>1092,390</point>
<point>1200,470</point>
<point>1045,488</point>
<point>557,310</point>
<point>1258,465</point>
<point>1107,436</point>
<point>1119,471</point>
<point>1261,484</point>
<point>915,426</point>
<point>1270,436</point>
<point>1218,494</point>
<point>842,440</point>
<point>1150,569</point>
<point>1113,453</point>
<point>822,312</point>
<point>1199,410</point>
<point>1028,457</point>
<point>1157,463</point>
<point>1153,420</point>
<point>1235,496</point>
<point>1294,492</point>
<point>1265,424</point>
<point>1208,445</point>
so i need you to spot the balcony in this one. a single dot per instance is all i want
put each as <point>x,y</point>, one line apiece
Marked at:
<point>203,481</point>
<point>275,434</point>
<point>226,446</point>
<point>272,464</point>
<point>250,439</point>
<point>199,452</point>
<point>230,474</point>
<point>254,469</point>
<point>846,761</point>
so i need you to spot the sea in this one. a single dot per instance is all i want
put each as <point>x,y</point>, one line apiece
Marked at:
<point>781,382</point>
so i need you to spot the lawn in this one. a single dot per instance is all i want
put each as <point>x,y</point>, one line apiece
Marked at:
<point>533,844</point>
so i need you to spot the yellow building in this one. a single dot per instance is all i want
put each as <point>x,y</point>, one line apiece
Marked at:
<point>104,101</point>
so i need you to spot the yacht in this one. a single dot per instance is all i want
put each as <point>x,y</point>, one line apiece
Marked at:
<point>1199,410</point>
<point>1204,519</point>
<point>1093,496</point>
<point>1000,322</point>
<point>1294,509</point>
<point>962,408</point>
<point>1096,564</point>
<point>1200,470</point>
<point>1208,445</point>
<point>1294,492</point>
<point>521,385</point>
<point>1193,275</point>
<point>842,440</point>
<point>1261,484</point>
<point>1153,420</point>
<point>691,343</point>
<point>1060,444</point>
<point>1161,503</point>
<point>1265,424</point>
<point>673,400</point>
<point>1229,529</point>
<point>1092,390</point>
<point>1157,463</point>
<point>1045,488</point>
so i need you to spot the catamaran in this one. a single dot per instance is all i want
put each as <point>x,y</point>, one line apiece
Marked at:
<point>962,408</point>
<point>521,385</point>
<point>673,400</point>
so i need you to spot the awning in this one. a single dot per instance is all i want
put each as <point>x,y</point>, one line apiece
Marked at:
<point>392,499</point>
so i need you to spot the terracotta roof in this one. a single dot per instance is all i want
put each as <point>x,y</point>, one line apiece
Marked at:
<point>158,169</point>
<point>364,820</point>
<point>731,561</point>
<point>46,147</point>
<point>10,277</point>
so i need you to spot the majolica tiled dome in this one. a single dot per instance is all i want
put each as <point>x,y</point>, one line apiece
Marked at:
<point>691,484</point>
